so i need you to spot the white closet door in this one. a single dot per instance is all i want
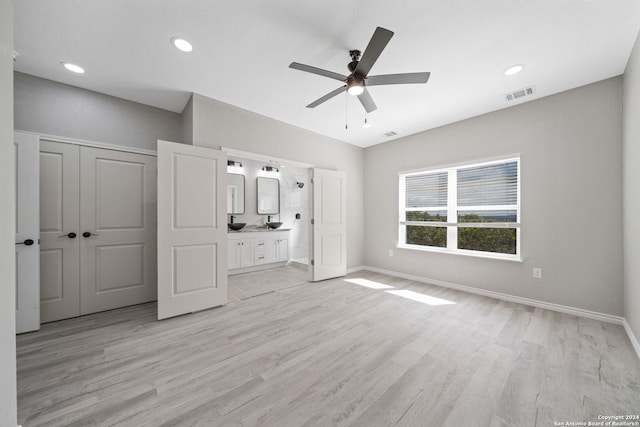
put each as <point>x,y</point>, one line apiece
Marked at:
<point>59,231</point>
<point>192,229</point>
<point>27,233</point>
<point>117,229</point>
<point>330,224</point>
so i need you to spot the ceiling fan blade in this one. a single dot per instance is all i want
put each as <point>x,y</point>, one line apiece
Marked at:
<point>318,71</point>
<point>327,97</point>
<point>367,101</point>
<point>398,79</point>
<point>375,47</point>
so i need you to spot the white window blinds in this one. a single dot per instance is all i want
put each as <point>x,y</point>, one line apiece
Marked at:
<point>426,190</point>
<point>488,185</point>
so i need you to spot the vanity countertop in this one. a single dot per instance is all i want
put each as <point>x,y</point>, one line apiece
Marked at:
<point>257,229</point>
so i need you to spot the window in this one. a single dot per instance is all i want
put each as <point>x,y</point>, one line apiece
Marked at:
<point>471,209</point>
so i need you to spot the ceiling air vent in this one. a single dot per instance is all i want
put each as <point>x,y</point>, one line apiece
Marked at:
<point>390,134</point>
<point>520,93</point>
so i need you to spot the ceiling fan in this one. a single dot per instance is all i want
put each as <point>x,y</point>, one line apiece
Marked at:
<point>356,83</point>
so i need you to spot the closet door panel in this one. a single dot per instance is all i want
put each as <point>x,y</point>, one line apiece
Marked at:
<point>118,229</point>
<point>59,252</point>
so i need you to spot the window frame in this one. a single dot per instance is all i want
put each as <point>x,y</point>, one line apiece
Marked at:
<point>452,211</point>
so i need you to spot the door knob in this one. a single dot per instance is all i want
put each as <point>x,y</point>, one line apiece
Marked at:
<point>70,235</point>
<point>27,242</point>
<point>88,234</point>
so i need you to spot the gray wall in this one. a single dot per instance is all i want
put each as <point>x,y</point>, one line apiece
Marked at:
<point>571,160</point>
<point>631,181</point>
<point>8,413</point>
<point>48,107</point>
<point>187,123</point>
<point>217,124</point>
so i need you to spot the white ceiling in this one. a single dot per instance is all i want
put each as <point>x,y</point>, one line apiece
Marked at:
<point>242,50</point>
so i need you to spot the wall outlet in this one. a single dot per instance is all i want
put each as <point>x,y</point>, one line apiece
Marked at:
<point>537,272</point>
<point>390,252</point>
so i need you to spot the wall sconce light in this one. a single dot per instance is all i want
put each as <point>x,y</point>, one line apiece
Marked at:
<point>233,166</point>
<point>269,172</point>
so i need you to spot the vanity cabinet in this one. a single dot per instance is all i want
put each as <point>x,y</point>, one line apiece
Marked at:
<point>239,253</point>
<point>279,248</point>
<point>257,248</point>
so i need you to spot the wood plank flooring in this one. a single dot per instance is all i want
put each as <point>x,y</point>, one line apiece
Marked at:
<point>334,353</point>
<point>248,285</point>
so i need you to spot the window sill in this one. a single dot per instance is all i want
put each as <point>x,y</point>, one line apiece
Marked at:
<point>474,254</point>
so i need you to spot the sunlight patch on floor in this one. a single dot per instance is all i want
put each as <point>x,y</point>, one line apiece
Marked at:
<point>369,283</point>
<point>416,296</point>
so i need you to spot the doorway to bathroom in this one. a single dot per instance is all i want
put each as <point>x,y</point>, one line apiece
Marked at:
<point>270,231</point>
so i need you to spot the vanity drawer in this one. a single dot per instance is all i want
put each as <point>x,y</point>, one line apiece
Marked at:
<point>260,252</point>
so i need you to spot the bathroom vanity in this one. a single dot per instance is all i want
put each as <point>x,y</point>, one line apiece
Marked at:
<point>253,249</point>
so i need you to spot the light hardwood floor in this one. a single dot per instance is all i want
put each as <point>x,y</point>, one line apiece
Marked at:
<point>329,353</point>
<point>249,285</point>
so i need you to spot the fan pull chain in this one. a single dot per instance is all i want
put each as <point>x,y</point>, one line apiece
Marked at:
<point>346,117</point>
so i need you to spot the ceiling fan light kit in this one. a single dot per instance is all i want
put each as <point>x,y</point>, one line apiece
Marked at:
<point>357,82</point>
<point>355,85</point>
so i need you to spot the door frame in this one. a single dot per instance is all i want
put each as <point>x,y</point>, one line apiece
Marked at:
<point>28,208</point>
<point>87,143</point>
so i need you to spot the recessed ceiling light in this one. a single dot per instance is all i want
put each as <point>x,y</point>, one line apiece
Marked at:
<point>515,69</point>
<point>181,44</point>
<point>72,67</point>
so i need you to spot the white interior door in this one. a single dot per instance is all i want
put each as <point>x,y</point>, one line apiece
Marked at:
<point>329,257</point>
<point>27,233</point>
<point>59,231</point>
<point>192,229</point>
<point>117,229</point>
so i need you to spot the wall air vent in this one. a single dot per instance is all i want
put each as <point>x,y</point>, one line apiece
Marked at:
<point>390,134</point>
<point>520,93</point>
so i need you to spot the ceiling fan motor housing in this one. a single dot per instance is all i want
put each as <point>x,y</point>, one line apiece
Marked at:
<point>355,58</point>
<point>355,80</point>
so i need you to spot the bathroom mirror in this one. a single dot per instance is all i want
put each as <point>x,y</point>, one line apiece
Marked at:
<point>268,196</point>
<point>235,193</point>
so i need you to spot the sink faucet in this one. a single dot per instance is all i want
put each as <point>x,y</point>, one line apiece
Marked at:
<point>231,216</point>
<point>268,219</point>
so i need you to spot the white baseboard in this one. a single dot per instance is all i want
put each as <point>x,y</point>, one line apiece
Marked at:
<point>506,297</point>
<point>354,269</point>
<point>632,337</point>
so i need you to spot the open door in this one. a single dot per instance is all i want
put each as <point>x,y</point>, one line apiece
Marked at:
<point>192,229</point>
<point>329,257</point>
<point>27,232</point>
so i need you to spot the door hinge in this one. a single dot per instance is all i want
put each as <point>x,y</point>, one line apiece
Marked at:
<point>312,180</point>
<point>313,262</point>
<point>312,222</point>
